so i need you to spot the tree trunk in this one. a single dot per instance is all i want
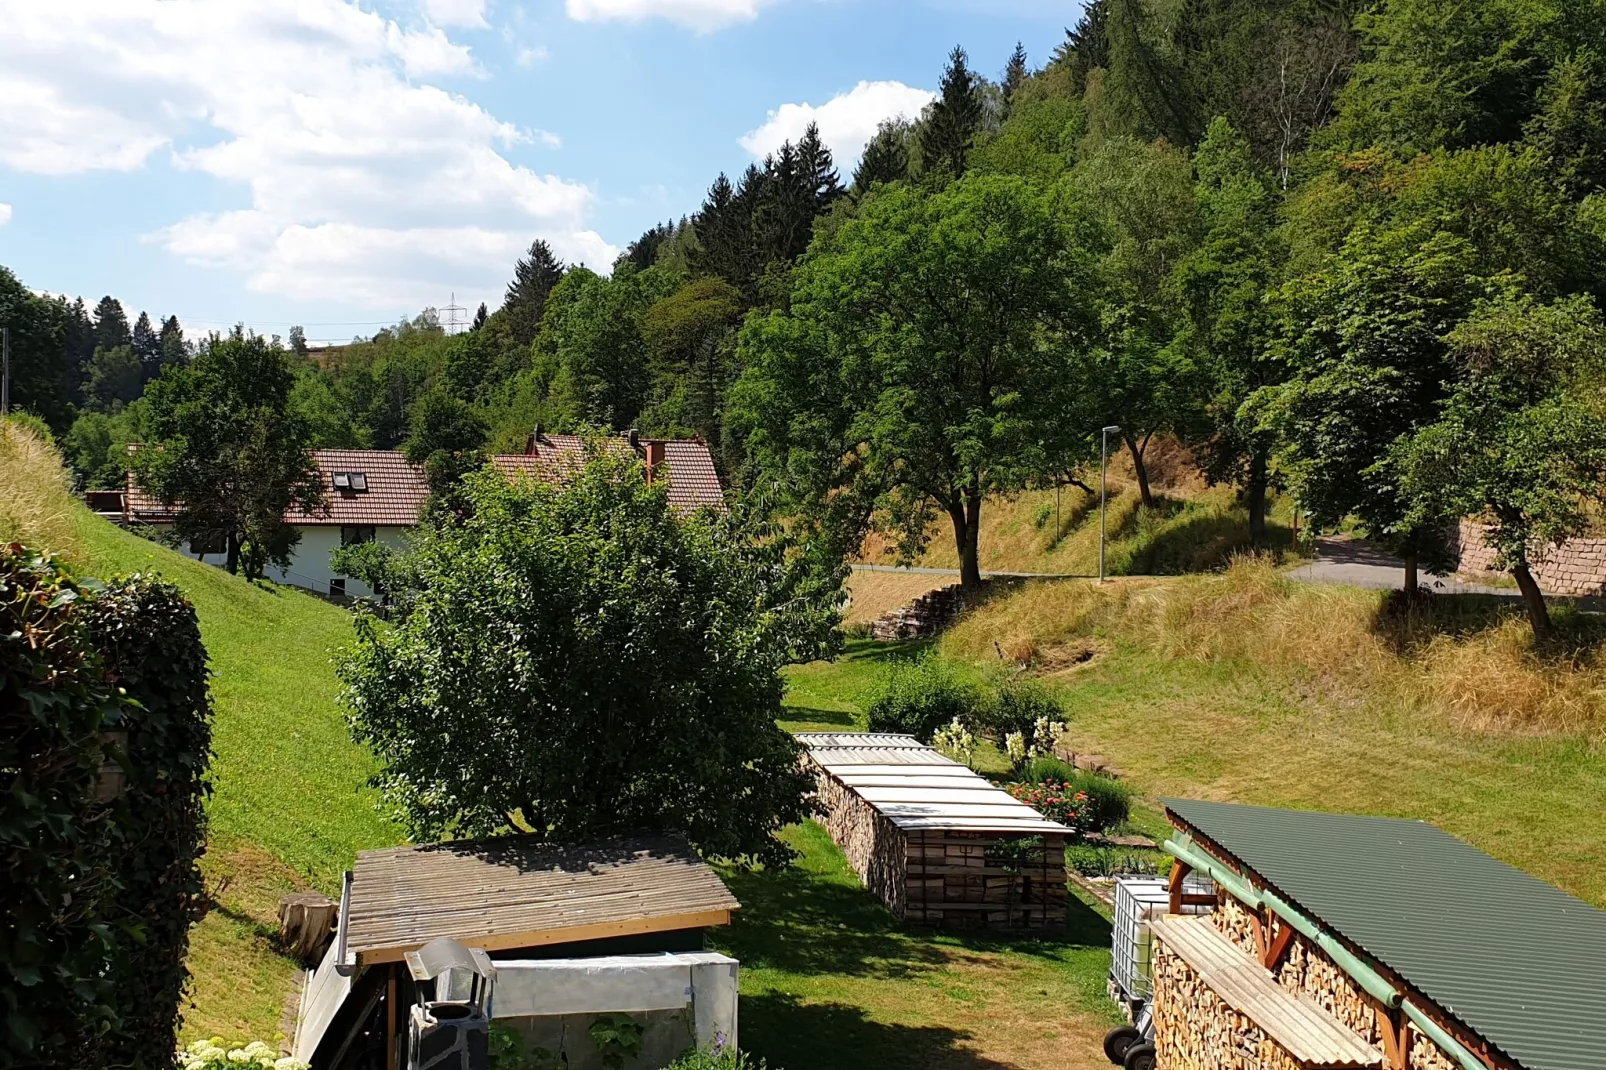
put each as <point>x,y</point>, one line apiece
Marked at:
<point>232,555</point>
<point>1255,495</point>
<point>1533,600</point>
<point>1144,494</point>
<point>966,523</point>
<point>1411,581</point>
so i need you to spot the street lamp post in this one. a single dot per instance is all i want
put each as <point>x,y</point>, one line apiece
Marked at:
<point>1104,469</point>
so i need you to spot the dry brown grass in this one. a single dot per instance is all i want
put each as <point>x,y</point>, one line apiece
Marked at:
<point>36,499</point>
<point>876,593</point>
<point>1475,664</point>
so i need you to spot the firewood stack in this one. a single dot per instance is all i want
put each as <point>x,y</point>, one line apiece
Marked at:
<point>925,616</point>
<point>962,880</point>
<point>1195,1030</point>
<point>873,845</point>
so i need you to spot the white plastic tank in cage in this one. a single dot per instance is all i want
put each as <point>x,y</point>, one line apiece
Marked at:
<point>1136,900</point>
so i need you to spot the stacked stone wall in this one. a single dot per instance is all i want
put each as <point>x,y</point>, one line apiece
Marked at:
<point>1577,567</point>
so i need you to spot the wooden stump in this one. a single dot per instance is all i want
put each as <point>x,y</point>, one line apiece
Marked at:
<point>307,924</point>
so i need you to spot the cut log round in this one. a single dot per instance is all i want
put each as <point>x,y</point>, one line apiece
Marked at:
<point>307,924</point>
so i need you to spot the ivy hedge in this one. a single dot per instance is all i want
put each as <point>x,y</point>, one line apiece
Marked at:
<point>105,732</point>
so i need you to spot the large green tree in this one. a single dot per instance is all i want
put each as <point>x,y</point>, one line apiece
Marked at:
<point>954,118</point>
<point>1521,440</point>
<point>931,357</point>
<point>534,276</point>
<point>228,452</point>
<point>636,657</point>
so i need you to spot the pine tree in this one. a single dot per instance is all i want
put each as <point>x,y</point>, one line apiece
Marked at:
<point>818,169</point>
<point>725,229</point>
<point>147,346</point>
<point>480,317</point>
<point>111,324</point>
<point>533,279</point>
<point>945,139</point>
<point>643,252</point>
<point>1015,72</point>
<point>886,157</point>
<point>171,341</point>
<point>1088,45</point>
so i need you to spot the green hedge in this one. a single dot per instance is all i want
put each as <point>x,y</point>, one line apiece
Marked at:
<point>103,887</point>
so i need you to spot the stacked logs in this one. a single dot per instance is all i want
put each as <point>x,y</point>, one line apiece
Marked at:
<point>970,880</point>
<point>1195,1030</point>
<point>1309,970</point>
<point>874,846</point>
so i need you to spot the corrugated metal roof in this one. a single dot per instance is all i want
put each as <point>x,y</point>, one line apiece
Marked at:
<point>1519,962</point>
<point>516,892</point>
<point>916,788</point>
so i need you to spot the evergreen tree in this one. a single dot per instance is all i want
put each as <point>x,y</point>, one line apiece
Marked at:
<point>643,252</point>
<point>171,341</point>
<point>480,317</point>
<point>111,325</point>
<point>116,377</point>
<point>147,346</point>
<point>1015,72</point>
<point>298,341</point>
<point>886,157</point>
<point>946,137</point>
<point>1087,46</point>
<point>818,170</point>
<point>533,279</point>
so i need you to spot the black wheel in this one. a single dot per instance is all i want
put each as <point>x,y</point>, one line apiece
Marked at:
<point>1140,1057</point>
<point>1119,1041</point>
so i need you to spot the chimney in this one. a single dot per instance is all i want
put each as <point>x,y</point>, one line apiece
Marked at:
<point>655,460</point>
<point>532,444</point>
<point>633,437</point>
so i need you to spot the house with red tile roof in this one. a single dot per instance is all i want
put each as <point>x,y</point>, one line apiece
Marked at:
<point>377,496</point>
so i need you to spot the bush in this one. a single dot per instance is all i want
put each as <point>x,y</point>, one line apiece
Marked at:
<point>1109,801</point>
<point>919,697</point>
<point>1057,802</point>
<point>1047,767</point>
<point>102,822</point>
<point>718,1059</point>
<point>216,1054</point>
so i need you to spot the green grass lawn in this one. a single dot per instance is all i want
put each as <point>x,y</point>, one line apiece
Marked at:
<point>830,980</point>
<point>290,807</point>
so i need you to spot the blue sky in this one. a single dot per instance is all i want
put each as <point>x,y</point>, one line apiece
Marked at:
<point>341,165</point>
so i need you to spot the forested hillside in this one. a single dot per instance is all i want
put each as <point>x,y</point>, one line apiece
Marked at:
<point>1347,250</point>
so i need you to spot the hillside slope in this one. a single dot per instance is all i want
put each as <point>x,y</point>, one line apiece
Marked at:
<point>1248,687</point>
<point>291,806</point>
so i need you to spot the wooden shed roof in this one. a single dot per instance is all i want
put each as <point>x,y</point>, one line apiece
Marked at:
<point>516,892</point>
<point>918,789</point>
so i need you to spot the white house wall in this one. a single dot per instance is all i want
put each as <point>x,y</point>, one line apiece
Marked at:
<point>309,561</point>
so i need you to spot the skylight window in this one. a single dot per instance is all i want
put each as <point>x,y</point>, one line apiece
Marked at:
<point>355,481</point>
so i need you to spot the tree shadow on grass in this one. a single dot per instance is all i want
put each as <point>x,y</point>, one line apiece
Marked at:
<point>814,715</point>
<point>834,1036</point>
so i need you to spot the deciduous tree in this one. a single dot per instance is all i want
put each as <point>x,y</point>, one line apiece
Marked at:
<point>636,662</point>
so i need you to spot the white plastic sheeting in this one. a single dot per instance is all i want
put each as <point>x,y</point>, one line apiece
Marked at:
<point>700,987</point>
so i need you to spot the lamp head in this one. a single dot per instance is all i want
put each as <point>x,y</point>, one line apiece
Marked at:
<point>1111,430</point>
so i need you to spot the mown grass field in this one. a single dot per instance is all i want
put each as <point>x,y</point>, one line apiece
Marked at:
<point>290,805</point>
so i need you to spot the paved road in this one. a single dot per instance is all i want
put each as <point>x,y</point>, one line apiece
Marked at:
<point>912,571</point>
<point>1358,564</point>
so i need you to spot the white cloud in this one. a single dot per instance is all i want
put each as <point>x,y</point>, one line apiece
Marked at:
<point>529,56</point>
<point>700,15</point>
<point>467,14</point>
<point>5,214</point>
<point>847,121</point>
<point>360,182</point>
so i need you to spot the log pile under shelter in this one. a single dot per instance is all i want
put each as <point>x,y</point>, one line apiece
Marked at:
<point>934,841</point>
<point>1346,942</point>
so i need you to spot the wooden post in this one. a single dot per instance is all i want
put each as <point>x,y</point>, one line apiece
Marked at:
<point>1179,873</point>
<point>1396,1039</point>
<point>390,1021</point>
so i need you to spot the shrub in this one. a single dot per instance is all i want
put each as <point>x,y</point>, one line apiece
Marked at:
<point>102,822</point>
<point>919,697</point>
<point>1057,802</point>
<point>1109,800</point>
<point>718,1058</point>
<point>1047,767</point>
<point>216,1054</point>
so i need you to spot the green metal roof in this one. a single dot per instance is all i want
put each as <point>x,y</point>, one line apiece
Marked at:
<point>1519,962</point>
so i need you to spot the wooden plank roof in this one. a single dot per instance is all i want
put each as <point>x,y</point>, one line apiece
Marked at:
<point>516,892</point>
<point>918,789</point>
<point>1295,1021</point>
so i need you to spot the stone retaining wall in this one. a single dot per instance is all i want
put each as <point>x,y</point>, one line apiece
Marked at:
<point>1577,567</point>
